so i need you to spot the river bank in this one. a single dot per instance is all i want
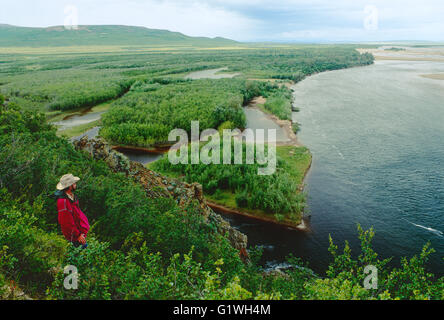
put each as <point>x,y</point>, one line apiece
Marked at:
<point>302,226</point>
<point>290,137</point>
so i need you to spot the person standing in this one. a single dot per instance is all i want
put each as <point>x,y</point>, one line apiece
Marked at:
<point>72,220</point>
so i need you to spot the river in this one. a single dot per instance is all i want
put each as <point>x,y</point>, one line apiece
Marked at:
<point>376,134</point>
<point>77,120</point>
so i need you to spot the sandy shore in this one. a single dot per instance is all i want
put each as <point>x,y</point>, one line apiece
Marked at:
<point>300,226</point>
<point>285,124</point>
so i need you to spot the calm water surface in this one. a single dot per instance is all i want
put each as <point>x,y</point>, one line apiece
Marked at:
<point>78,120</point>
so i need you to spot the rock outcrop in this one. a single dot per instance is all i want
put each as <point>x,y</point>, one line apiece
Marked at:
<point>157,185</point>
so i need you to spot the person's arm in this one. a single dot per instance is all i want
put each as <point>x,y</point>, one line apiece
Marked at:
<point>66,221</point>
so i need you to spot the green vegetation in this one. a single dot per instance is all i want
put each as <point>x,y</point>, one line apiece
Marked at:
<point>65,90</point>
<point>240,186</point>
<point>395,49</point>
<point>142,248</point>
<point>31,160</point>
<point>147,114</point>
<point>48,78</point>
<point>148,96</point>
<point>12,36</point>
<point>279,102</point>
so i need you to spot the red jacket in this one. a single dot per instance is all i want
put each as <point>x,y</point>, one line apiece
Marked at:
<point>72,220</point>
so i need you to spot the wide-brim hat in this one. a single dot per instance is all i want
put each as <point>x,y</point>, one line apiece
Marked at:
<point>66,181</point>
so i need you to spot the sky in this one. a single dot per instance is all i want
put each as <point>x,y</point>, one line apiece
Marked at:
<point>246,20</point>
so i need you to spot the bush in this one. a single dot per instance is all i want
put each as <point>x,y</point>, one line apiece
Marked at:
<point>276,193</point>
<point>145,117</point>
<point>242,199</point>
<point>33,251</point>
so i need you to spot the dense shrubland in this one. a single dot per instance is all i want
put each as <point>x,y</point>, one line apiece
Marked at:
<point>145,116</point>
<point>148,113</point>
<point>55,81</point>
<point>279,101</point>
<point>142,248</point>
<point>65,90</point>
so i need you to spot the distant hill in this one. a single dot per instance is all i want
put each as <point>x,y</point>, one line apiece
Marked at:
<point>12,36</point>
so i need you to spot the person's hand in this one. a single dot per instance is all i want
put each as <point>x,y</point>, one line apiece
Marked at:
<point>82,239</point>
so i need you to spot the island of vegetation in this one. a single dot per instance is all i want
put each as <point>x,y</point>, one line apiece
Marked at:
<point>154,247</point>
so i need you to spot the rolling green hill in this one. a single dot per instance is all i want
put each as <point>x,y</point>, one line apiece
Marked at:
<point>12,36</point>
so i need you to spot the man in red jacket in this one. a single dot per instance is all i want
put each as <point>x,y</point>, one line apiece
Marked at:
<point>73,221</point>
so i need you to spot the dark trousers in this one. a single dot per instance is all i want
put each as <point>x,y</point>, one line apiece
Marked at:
<point>78,244</point>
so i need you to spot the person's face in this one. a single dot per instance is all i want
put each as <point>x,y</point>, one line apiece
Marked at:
<point>74,187</point>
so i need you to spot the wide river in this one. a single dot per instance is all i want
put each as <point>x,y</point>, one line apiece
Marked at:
<point>377,138</point>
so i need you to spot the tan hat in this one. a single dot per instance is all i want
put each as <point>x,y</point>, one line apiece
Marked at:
<point>66,181</point>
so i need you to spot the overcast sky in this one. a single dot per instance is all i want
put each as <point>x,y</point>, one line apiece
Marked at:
<point>247,20</point>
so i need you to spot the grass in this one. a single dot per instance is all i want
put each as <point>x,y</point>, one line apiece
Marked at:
<point>299,159</point>
<point>101,107</point>
<point>261,105</point>
<point>227,200</point>
<point>107,35</point>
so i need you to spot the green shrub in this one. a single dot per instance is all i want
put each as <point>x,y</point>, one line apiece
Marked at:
<point>276,193</point>
<point>34,251</point>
